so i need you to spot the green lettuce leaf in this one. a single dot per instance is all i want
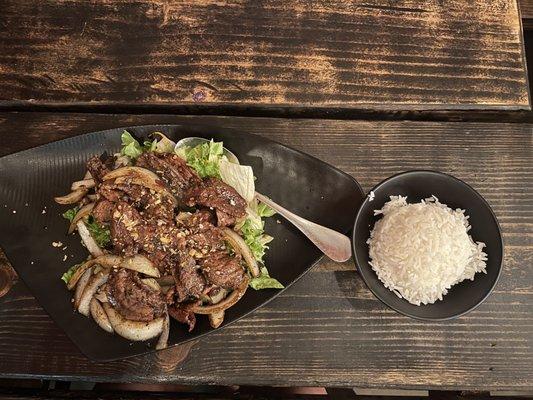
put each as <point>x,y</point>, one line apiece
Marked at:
<point>265,281</point>
<point>68,275</point>
<point>100,233</point>
<point>130,146</point>
<point>70,214</point>
<point>149,145</point>
<point>264,211</point>
<point>205,158</point>
<point>253,234</point>
<point>239,177</point>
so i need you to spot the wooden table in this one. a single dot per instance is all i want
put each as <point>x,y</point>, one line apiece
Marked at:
<point>76,67</point>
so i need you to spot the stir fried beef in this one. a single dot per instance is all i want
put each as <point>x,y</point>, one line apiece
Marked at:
<point>188,246</point>
<point>189,281</point>
<point>173,170</point>
<point>223,270</point>
<point>124,225</point>
<point>214,193</point>
<point>152,204</point>
<point>202,236</point>
<point>160,240</point>
<point>132,298</point>
<point>98,168</point>
<point>103,211</point>
<point>181,314</point>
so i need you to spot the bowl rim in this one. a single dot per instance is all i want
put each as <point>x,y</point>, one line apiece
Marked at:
<point>456,181</point>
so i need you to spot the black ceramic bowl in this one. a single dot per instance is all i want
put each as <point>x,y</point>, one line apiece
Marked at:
<point>418,185</point>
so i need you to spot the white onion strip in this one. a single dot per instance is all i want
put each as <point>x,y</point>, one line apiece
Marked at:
<point>92,286</point>
<point>133,330</point>
<point>136,263</point>
<point>83,184</point>
<point>240,247</point>
<point>230,300</point>
<point>216,319</point>
<point>88,240</point>
<point>72,198</point>
<point>83,212</point>
<point>140,176</point>
<point>99,315</point>
<point>80,287</point>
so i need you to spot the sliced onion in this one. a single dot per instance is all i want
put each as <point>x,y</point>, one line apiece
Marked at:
<point>79,273</point>
<point>140,176</point>
<point>99,315</point>
<point>136,263</point>
<point>240,247</point>
<point>162,342</point>
<point>101,296</point>
<point>230,300</point>
<point>121,161</point>
<point>140,264</point>
<point>166,280</point>
<point>83,184</point>
<point>132,171</point>
<point>71,198</point>
<point>133,330</point>
<point>164,144</point>
<point>80,287</point>
<point>92,286</point>
<point>217,298</point>
<point>216,319</point>
<point>152,283</point>
<point>88,240</point>
<point>83,212</point>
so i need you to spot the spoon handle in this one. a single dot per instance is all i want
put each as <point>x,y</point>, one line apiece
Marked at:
<point>332,243</point>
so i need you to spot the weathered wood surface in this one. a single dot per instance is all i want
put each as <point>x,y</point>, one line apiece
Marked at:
<point>328,329</point>
<point>424,54</point>
<point>526,9</point>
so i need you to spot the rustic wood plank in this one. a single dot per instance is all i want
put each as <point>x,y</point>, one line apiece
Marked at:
<point>375,54</point>
<point>526,9</point>
<point>328,329</point>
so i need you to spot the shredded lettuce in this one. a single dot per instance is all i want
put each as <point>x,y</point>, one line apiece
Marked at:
<point>68,275</point>
<point>253,234</point>
<point>204,158</point>
<point>100,233</point>
<point>133,149</point>
<point>264,211</point>
<point>265,281</point>
<point>130,146</point>
<point>149,145</point>
<point>70,214</point>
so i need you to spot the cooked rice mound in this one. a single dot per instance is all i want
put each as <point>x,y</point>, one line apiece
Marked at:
<point>419,251</point>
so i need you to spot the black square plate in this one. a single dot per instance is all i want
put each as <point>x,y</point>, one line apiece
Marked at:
<point>31,221</point>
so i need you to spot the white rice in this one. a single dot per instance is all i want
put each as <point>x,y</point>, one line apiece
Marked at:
<point>421,250</point>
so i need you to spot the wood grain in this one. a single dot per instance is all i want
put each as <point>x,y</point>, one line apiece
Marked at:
<point>327,329</point>
<point>376,54</point>
<point>526,9</point>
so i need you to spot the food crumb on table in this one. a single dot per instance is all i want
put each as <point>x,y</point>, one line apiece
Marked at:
<point>57,244</point>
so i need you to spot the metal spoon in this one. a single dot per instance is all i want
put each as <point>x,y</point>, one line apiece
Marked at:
<point>332,243</point>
